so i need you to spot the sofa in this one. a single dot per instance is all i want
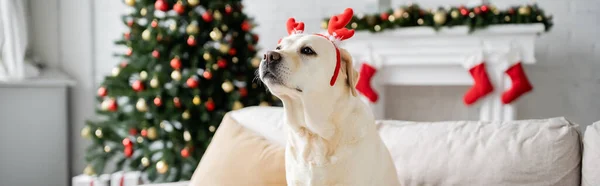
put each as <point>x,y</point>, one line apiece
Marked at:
<point>248,149</point>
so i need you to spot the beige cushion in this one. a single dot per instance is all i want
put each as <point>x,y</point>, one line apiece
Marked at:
<point>531,152</point>
<point>240,157</point>
<point>590,175</point>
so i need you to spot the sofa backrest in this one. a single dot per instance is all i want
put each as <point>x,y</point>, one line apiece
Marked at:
<point>466,153</point>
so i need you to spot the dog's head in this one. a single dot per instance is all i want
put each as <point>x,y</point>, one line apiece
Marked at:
<point>309,64</point>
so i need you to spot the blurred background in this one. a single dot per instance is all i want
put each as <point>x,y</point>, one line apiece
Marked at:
<point>74,41</point>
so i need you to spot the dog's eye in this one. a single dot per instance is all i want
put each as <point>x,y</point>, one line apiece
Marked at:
<point>307,51</point>
<point>278,48</point>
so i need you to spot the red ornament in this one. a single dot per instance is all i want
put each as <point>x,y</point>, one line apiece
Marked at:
<point>144,133</point>
<point>192,82</point>
<point>246,26</point>
<point>179,8</point>
<point>243,92</point>
<point>191,41</point>
<point>130,23</point>
<point>176,102</point>
<point>161,5</point>
<point>207,75</point>
<point>112,105</point>
<point>133,131</point>
<point>157,101</point>
<point>222,63</point>
<point>476,10</point>
<point>137,85</point>
<point>155,54</point>
<point>250,47</point>
<point>185,152</point>
<point>232,51</point>
<point>127,35</point>
<point>129,52</point>
<point>511,11</point>
<point>127,142</point>
<point>210,105</point>
<point>128,151</point>
<point>255,37</point>
<point>464,11</point>
<point>484,8</point>
<point>176,63</point>
<point>123,64</point>
<point>228,9</point>
<point>206,17</point>
<point>154,24</point>
<point>384,16</point>
<point>102,91</point>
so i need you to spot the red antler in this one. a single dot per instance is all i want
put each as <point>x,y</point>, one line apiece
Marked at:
<point>292,26</point>
<point>338,23</point>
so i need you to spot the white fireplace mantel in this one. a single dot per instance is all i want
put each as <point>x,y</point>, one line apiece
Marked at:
<point>423,56</point>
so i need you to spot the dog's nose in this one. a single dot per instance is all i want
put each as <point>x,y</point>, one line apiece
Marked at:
<point>272,56</point>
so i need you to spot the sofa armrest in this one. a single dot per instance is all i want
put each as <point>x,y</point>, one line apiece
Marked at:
<point>591,156</point>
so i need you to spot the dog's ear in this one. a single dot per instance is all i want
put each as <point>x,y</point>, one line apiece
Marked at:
<point>351,73</point>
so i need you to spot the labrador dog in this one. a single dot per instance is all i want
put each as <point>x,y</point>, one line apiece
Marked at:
<point>332,137</point>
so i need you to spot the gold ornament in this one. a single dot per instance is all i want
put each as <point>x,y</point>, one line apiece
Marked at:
<point>354,25</point>
<point>143,75</point>
<point>143,12</point>
<point>377,28</point>
<point>215,66</point>
<point>187,136</point>
<point>255,62</point>
<point>98,133</point>
<point>85,132</point>
<point>206,56</point>
<point>196,100</point>
<point>224,28</point>
<point>176,75</point>
<point>154,82</point>
<point>234,59</point>
<point>454,14</point>
<point>162,167</point>
<point>507,18</point>
<point>524,10</point>
<point>141,106</point>
<point>107,149</point>
<point>539,18</point>
<point>152,133</point>
<point>398,13</point>
<point>130,2</point>
<point>237,105</point>
<point>140,139</point>
<point>324,24</point>
<point>192,29</point>
<point>145,161</point>
<point>212,128</point>
<point>472,15</point>
<point>494,10</point>
<point>217,15</point>
<point>371,20</point>
<point>147,34</point>
<point>439,17</point>
<point>185,115</point>
<point>193,2</point>
<point>264,103</point>
<point>227,86</point>
<point>173,26</point>
<point>116,71</point>
<point>224,48</point>
<point>216,34</point>
<point>405,15</point>
<point>420,21</point>
<point>89,170</point>
<point>391,18</point>
<point>163,124</point>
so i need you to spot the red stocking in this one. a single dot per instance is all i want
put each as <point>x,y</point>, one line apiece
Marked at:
<point>482,85</point>
<point>520,83</point>
<point>364,82</point>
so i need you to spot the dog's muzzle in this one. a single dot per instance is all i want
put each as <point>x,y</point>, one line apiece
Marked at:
<point>269,64</point>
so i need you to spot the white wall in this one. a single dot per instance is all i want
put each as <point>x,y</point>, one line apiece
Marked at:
<point>79,36</point>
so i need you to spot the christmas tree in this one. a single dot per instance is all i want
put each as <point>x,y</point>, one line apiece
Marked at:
<point>187,63</point>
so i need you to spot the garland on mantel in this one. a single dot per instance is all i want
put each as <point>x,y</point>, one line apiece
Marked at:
<point>478,17</point>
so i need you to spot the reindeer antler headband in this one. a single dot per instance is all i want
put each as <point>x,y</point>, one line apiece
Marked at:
<point>336,32</point>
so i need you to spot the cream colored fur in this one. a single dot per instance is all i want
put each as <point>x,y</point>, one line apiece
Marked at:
<point>332,138</point>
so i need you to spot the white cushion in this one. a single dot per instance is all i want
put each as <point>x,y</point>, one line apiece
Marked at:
<point>266,121</point>
<point>529,152</point>
<point>590,170</point>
